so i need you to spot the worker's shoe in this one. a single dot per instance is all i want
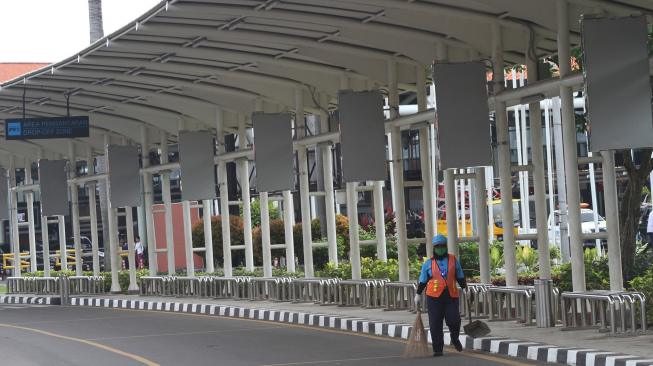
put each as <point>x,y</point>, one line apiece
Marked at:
<point>456,343</point>
<point>437,354</point>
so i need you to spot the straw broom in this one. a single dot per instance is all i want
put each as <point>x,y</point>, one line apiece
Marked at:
<point>417,345</point>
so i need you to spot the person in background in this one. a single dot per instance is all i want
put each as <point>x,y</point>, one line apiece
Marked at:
<point>438,276</point>
<point>138,247</point>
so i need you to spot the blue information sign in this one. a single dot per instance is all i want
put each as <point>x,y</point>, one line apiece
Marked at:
<point>46,128</point>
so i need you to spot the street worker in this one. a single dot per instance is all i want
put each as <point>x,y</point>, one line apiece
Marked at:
<point>438,276</point>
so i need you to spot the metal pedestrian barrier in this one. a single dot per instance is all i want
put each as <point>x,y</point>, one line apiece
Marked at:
<point>511,303</point>
<point>33,285</point>
<point>617,312</point>
<point>400,296</point>
<point>306,290</point>
<point>363,293</point>
<point>86,285</point>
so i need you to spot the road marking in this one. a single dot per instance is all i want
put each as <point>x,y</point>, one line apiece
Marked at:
<point>473,354</point>
<point>184,333</point>
<point>132,356</point>
<point>331,361</point>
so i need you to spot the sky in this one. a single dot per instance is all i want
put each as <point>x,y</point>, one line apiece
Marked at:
<point>52,30</point>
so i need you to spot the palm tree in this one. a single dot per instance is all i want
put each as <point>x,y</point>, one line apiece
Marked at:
<point>95,19</point>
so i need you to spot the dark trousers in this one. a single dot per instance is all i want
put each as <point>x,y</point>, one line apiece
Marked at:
<point>444,307</point>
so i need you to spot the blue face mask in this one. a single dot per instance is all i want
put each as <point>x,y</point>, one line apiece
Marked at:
<point>440,250</point>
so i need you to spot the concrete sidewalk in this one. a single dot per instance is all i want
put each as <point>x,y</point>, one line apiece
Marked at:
<point>583,347</point>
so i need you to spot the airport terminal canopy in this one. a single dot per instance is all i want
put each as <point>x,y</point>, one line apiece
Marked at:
<point>183,59</point>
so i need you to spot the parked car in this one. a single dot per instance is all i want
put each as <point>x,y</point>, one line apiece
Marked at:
<point>588,225</point>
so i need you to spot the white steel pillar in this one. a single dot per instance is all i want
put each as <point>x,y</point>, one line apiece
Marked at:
<point>450,204</point>
<point>63,253</point>
<point>612,220</point>
<point>287,228</point>
<point>561,181</point>
<point>30,216</point>
<point>46,246</point>
<point>503,152</point>
<point>243,172</point>
<point>354,245</point>
<point>481,227</point>
<point>74,203</point>
<point>304,187</point>
<point>45,239</point>
<point>148,202</point>
<point>112,247</point>
<point>327,176</point>
<point>188,239</point>
<point>265,234</point>
<point>224,196</point>
<point>208,237</point>
<point>379,222</point>
<point>115,247</point>
<point>13,217</point>
<point>167,204</point>
<point>425,164</point>
<point>539,183</point>
<point>549,162</point>
<point>92,207</point>
<point>571,155</point>
<point>398,173</point>
<point>131,253</point>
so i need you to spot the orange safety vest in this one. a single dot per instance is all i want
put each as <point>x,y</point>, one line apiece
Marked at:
<point>437,283</point>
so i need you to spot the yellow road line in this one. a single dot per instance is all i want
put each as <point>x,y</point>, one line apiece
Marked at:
<point>469,353</point>
<point>132,356</point>
<point>331,361</point>
<point>184,333</point>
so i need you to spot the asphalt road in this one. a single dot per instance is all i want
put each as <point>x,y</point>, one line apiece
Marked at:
<point>54,335</point>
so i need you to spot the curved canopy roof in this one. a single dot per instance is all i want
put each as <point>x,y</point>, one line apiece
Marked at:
<point>183,59</point>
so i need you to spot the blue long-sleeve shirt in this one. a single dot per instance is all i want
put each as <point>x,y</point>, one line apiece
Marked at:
<point>425,274</point>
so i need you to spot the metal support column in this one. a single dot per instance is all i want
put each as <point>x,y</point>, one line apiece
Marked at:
<point>208,236</point>
<point>188,239</point>
<point>30,216</point>
<point>13,218</point>
<point>354,246</point>
<point>74,203</point>
<point>304,187</point>
<point>167,204</point>
<point>539,182</point>
<point>612,221</point>
<point>430,226</point>
<point>482,227</point>
<point>379,221</point>
<point>571,155</point>
<point>503,152</point>
<point>46,246</point>
<point>115,248</point>
<point>398,173</point>
<point>148,202</point>
<point>265,234</point>
<point>63,252</point>
<point>450,204</point>
<point>224,195</point>
<point>243,176</point>
<point>288,233</point>
<point>131,250</point>
<point>92,207</point>
<point>329,196</point>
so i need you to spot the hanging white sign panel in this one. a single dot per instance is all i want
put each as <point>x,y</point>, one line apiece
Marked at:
<point>617,83</point>
<point>362,136</point>
<point>463,115</point>
<point>273,151</point>
<point>124,176</point>
<point>53,180</point>
<point>196,150</point>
